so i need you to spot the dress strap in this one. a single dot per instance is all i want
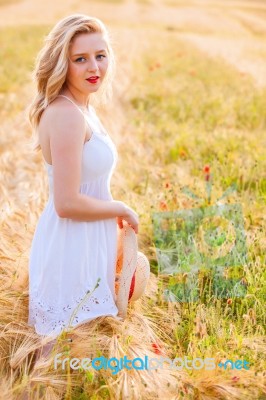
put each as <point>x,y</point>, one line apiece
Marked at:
<point>103,133</point>
<point>62,95</point>
<point>86,119</point>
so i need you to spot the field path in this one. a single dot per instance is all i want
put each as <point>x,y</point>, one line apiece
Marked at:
<point>235,30</point>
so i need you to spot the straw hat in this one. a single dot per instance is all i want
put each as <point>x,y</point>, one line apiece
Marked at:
<point>132,269</point>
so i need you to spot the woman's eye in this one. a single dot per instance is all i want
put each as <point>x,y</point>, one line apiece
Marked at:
<point>80,58</point>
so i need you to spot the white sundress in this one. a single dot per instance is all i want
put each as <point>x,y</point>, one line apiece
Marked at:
<point>67,256</point>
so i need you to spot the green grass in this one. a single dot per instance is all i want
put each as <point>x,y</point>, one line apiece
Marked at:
<point>197,109</point>
<point>187,112</point>
<point>18,49</point>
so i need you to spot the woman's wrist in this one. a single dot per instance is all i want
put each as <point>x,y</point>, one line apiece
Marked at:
<point>121,208</point>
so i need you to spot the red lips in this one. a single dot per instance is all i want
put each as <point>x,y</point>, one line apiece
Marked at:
<point>93,79</point>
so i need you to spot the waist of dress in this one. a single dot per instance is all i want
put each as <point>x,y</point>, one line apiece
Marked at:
<point>102,196</point>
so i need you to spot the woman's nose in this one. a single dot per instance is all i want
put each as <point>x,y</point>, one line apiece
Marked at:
<point>92,65</point>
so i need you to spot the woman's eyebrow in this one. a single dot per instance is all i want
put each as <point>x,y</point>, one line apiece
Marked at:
<point>82,54</point>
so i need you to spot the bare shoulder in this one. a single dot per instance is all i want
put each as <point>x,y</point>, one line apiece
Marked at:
<point>62,116</point>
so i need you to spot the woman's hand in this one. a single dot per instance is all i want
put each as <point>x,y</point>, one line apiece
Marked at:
<point>119,222</point>
<point>130,216</point>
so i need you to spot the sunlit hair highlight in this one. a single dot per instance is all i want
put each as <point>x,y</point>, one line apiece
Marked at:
<point>51,65</point>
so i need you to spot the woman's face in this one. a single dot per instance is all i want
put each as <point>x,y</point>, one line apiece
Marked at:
<point>88,57</point>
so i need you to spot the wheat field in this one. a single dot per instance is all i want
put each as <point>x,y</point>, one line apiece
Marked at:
<point>189,107</point>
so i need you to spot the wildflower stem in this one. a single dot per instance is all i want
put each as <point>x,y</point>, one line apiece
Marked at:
<point>87,295</point>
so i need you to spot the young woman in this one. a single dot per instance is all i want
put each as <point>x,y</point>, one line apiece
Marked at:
<point>73,253</point>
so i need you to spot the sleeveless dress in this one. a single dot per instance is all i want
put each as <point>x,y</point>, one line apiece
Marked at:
<point>72,263</point>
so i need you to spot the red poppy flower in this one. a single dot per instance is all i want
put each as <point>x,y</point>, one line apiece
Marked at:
<point>206,169</point>
<point>163,205</point>
<point>156,348</point>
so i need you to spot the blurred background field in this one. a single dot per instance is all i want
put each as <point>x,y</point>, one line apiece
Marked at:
<point>189,92</point>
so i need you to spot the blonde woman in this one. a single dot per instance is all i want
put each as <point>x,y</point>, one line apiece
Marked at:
<point>73,252</point>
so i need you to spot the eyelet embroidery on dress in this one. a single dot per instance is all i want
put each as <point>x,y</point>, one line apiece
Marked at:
<point>60,316</point>
<point>94,300</point>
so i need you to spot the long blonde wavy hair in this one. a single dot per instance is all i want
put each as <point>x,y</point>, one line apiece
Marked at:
<point>51,65</point>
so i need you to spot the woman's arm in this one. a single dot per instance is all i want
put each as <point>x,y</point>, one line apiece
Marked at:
<point>67,130</point>
<point>86,208</point>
